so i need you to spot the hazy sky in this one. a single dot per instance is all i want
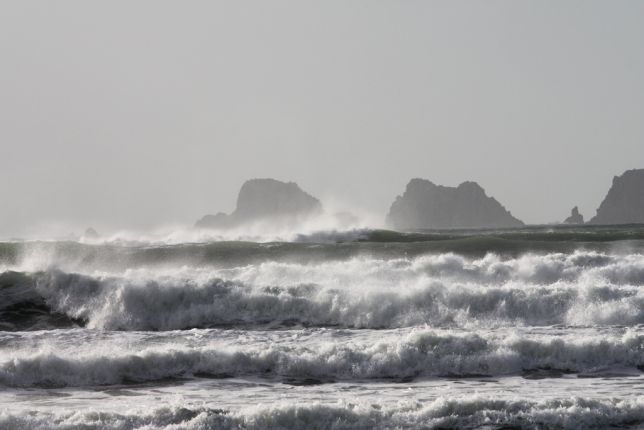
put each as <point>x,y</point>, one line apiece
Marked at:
<point>129,114</point>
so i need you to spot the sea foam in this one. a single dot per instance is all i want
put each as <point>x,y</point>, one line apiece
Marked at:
<point>465,413</point>
<point>447,290</point>
<point>325,356</point>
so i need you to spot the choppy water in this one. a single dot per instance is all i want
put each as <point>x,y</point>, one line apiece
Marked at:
<point>532,328</point>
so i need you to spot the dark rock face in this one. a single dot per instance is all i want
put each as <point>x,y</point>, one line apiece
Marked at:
<point>575,217</point>
<point>261,198</point>
<point>624,203</point>
<point>425,205</point>
<point>266,200</point>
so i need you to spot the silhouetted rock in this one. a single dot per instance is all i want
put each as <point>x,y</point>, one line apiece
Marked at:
<point>575,217</point>
<point>266,200</point>
<point>219,221</point>
<point>90,233</point>
<point>624,203</point>
<point>425,205</point>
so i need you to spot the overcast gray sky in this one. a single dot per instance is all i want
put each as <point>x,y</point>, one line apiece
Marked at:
<point>131,114</point>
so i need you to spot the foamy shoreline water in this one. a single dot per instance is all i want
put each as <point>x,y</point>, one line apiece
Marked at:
<point>531,329</point>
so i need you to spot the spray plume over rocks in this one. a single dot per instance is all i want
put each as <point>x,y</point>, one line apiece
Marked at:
<point>266,200</point>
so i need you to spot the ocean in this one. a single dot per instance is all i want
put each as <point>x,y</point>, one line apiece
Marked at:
<point>539,327</point>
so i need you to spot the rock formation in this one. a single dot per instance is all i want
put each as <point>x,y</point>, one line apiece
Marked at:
<point>266,200</point>
<point>575,217</point>
<point>624,203</point>
<point>425,205</point>
<point>218,221</point>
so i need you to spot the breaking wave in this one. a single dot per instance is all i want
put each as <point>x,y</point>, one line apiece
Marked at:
<point>313,247</point>
<point>364,308</point>
<point>315,357</point>
<point>446,290</point>
<point>463,413</point>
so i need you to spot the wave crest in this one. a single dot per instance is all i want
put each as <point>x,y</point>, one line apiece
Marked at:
<point>463,413</point>
<point>444,290</point>
<point>318,356</point>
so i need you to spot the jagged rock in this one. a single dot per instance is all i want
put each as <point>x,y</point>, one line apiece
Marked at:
<point>425,205</point>
<point>624,203</point>
<point>261,198</point>
<point>575,217</point>
<point>266,200</point>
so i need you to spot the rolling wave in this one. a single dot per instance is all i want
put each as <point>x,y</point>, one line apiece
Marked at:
<point>325,311</point>
<point>315,248</point>
<point>314,357</point>
<point>446,290</point>
<point>463,413</point>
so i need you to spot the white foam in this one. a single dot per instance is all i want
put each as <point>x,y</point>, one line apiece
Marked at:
<point>79,358</point>
<point>441,290</point>
<point>465,412</point>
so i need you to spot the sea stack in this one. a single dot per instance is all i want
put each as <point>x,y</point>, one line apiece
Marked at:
<point>624,203</point>
<point>575,217</point>
<point>425,205</point>
<point>266,200</point>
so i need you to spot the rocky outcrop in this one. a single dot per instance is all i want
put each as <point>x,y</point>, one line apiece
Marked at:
<point>575,217</point>
<point>624,203</point>
<point>218,221</point>
<point>425,205</point>
<point>266,200</point>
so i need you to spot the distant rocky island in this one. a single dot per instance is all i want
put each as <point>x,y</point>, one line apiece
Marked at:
<point>266,200</point>
<point>425,205</point>
<point>624,203</point>
<point>575,217</point>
